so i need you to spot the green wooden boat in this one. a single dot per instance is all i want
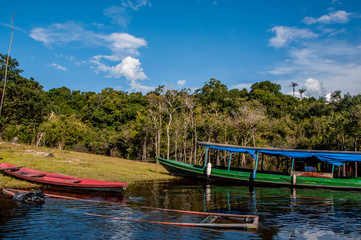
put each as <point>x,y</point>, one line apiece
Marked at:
<point>303,178</point>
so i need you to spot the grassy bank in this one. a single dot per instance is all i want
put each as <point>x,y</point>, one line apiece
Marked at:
<point>76,164</point>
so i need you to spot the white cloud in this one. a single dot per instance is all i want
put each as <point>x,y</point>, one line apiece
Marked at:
<point>336,64</point>
<point>57,66</point>
<point>285,35</point>
<point>333,17</point>
<point>58,33</point>
<point>181,83</point>
<point>136,4</point>
<point>130,68</point>
<point>122,47</point>
<point>118,15</point>
<point>313,88</point>
<point>62,33</point>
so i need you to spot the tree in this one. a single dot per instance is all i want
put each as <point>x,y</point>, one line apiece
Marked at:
<point>64,132</point>
<point>25,103</point>
<point>172,103</point>
<point>266,86</point>
<point>212,91</point>
<point>293,85</point>
<point>301,91</point>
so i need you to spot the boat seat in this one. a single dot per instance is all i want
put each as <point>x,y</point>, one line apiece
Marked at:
<point>74,181</point>
<point>12,168</point>
<point>32,174</point>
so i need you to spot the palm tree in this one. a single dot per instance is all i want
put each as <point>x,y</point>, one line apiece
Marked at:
<point>301,91</point>
<point>293,85</point>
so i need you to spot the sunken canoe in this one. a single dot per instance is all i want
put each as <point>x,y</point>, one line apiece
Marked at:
<point>255,177</point>
<point>211,220</point>
<point>60,180</point>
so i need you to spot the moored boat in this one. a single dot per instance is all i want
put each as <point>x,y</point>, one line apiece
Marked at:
<point>300,178</point>
<point>59,180</point>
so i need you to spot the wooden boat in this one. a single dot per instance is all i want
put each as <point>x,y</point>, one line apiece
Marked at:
<point>302,178</point>
<point>212,220</point>
<point>59,180</point>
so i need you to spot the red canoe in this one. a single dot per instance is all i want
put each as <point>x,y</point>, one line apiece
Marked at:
<point>59,180</point>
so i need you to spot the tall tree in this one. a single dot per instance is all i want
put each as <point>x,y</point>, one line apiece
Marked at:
<point>301,91</point>
<point>173,103</point>
<point>293,85</point>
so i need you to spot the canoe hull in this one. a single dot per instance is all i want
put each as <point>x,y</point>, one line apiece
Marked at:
<point>262,179</point>
<point>232,221</point>
<point>59,180</point>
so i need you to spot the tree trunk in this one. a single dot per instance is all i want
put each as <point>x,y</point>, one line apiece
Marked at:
<point>176,144</point>
<point>168,137</point>
<point>144,148</point>
<point>42,133</point>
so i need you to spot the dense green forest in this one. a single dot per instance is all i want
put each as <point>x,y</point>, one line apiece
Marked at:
<point>168,122</point>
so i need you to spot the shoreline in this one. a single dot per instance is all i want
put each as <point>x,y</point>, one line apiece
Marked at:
<point>77,164</point>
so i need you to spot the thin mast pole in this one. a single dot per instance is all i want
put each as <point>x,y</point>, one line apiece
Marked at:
<point>7,63</point>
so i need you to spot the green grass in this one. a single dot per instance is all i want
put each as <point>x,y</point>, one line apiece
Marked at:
<point>76,164</point>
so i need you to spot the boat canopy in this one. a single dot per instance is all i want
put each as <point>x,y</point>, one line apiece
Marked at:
<point>336,158</point>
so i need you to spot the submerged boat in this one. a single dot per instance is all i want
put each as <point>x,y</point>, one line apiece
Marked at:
<point>60,180</point>
<point>211,220</point>
<point>304,177</point>
<point>33,197</point>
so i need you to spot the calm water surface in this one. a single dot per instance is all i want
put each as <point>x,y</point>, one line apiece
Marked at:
<point>284,213</point>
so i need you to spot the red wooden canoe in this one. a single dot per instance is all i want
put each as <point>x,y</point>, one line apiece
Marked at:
<point>59,180</point>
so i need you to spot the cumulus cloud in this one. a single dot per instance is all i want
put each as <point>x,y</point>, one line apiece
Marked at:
<point>122,48</point>
<point>285,35</point>
<point>336,64</point>
<point>57,66</point>
<point>333,17</point>
<point>130,68</point>
<point>181,83</point>
<point>136,4</point>
<point>313,87</point>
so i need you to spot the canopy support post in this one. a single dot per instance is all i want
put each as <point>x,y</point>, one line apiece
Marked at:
<point>293,164</point>
<point>333,168</point>
<point>206,158</point>
<point>255,167</point>
<point>229,163</point>
<point>356,169</point>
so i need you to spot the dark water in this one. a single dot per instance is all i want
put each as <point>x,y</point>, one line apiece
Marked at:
<point>284,213</point>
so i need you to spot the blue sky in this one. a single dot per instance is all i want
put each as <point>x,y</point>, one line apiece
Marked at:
<point>141,44</point>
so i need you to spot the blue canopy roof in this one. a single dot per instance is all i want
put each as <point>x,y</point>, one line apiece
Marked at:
<point>336,158</point>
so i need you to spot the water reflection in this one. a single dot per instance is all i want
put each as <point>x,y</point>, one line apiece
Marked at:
<point>284,213</point>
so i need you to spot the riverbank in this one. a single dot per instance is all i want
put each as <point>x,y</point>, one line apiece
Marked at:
<point>76,164</point>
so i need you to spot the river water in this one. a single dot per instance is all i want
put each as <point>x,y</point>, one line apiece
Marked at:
<point>284,213</point>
